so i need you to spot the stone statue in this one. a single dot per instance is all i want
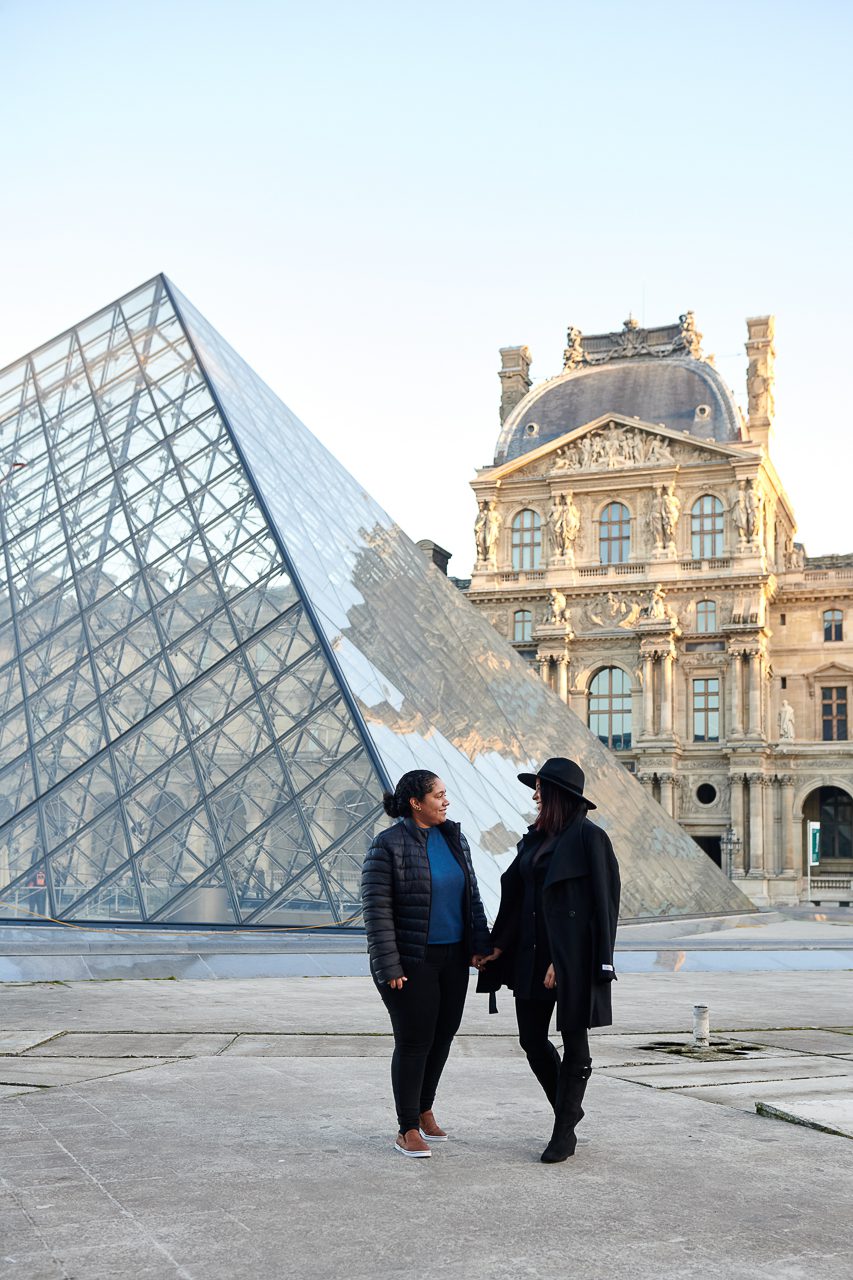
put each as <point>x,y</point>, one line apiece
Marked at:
<point>656,608</point>
<point>656,520</point>
<point>754,501</point>
<point>480,531</point>
<point>491,531</point>
<point>670,510</point>
<point>740,514</point>
<point>786,721</point>
<point>571,524</point>
<point>558,613</point>
<point>691,339</point>
<point>573,356</point>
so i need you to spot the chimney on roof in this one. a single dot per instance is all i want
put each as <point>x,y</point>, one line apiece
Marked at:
<point>435,553</point>
<point>515,378</point>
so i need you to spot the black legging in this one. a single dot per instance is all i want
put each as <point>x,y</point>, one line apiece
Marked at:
<point>425,1016</point>
<point>534,1021</point>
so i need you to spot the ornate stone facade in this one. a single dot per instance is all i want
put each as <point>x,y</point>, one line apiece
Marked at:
<point>652,576</point>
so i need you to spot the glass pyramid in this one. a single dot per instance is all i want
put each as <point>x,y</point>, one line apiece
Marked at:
<point>216,650</point>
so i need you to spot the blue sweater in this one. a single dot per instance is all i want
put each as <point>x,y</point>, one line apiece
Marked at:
<point>448,892</point>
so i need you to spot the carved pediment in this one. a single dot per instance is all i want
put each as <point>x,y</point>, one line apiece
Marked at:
<point>614,443</point>
<point>834,673</point>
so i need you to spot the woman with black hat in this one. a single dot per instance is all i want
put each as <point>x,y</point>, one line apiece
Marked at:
<point>553,940</point>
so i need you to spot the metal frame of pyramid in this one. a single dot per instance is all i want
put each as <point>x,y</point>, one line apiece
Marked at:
<point>216,651</point>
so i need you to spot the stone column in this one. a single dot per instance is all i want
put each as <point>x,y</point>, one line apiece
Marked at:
<point>772,860</point>
<point>666,696</point>
<point>789,863</point>
<point>755,694</point>
<point>648,695</point>
<point>735,673</point>
<point>756,824</point>
<point>736,821</point>
<point>667,793</point>
<point>545,670</point>
<point>563,677</point>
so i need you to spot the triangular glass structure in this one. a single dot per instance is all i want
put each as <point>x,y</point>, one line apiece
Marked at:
<point>216,650</point>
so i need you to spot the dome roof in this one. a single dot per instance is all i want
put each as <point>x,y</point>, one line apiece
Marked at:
<point>645,380</point>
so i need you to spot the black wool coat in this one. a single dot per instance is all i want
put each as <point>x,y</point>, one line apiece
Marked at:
<point>396,894</point>
<point>580,902</point>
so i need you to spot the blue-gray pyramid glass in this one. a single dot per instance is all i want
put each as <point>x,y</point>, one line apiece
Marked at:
<point>216,649</point>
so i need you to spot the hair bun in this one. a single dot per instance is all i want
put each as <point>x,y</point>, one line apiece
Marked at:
<point>389,804</point>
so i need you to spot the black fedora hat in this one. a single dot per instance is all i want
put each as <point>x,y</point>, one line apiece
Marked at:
<point>561,773</point>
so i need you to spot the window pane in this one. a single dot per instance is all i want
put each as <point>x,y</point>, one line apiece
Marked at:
<point>706,528</point>
<point>614,534</point>
<point>526,540</point>
<point>610,708</point>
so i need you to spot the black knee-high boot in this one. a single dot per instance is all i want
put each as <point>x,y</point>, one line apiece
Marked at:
<point>546,1068</point>
<point>568,1113</point>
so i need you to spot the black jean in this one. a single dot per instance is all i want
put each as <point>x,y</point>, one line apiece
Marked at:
<point>534,1020</point>
<point>425,1016</point>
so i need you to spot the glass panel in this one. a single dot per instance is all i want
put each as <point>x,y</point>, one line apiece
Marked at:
<point>28,900</point>
<point>116,899</point>
<point>175,860</point>
<point>79,866</point>
<point>20,847</point>
<point>57,702</point>
<point>231,745</point>
<point>17,788</point>
<point>77,742</point>
<point>207,902</point>
<point>162,800</point>
<point>255,795</point>
<point>129,702</point>
<point>77,802</point>
<point>142,752</point>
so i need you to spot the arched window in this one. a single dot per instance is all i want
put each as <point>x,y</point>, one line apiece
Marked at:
<point>614,534</point>
<point>706,527</point>
<point>522,626</point>
<point>526,540</point>
<point>706,616</point>
<point>833,625</point>
<point>610,708</point>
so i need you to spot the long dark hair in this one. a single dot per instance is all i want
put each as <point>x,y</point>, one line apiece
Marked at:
<point>557,809</point>
<point>412,786</point>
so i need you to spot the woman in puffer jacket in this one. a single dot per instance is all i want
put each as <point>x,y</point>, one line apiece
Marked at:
<point>425,925</point>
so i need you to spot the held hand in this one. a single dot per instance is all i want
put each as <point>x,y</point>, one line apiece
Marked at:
<point>550,978</point>
<point>479,961</point>
<point>396,984</point>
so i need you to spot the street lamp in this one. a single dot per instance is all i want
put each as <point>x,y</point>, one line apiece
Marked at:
<point>730,843</point>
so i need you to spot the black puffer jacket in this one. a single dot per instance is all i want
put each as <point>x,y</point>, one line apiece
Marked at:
<point>396,891</point>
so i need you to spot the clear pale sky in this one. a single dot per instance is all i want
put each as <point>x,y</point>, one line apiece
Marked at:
<point>369,199</point>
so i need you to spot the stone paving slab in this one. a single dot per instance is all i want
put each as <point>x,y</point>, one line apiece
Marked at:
<point>802,1040</point>
<point>20,1041</point>
<point>680,1074</point>
<point>14,1090</point>
<point>830,1115</point>
<point>743,1097</point>
<point>106,1044</point>
<point>60,1071</point>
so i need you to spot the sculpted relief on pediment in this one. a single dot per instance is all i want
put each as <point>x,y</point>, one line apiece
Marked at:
<point>615,448</point>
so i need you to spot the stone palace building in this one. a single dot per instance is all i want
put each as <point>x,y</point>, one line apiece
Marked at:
<point>636,542</point>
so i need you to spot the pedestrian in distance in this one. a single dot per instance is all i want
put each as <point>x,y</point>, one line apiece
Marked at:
<point>425,927</point>
<point>553,941</point>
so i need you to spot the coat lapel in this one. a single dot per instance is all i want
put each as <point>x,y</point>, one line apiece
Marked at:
<point>568,859</point>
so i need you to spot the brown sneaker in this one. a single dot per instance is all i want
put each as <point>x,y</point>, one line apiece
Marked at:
<point>411,1143</point>
<point>430,1128</point>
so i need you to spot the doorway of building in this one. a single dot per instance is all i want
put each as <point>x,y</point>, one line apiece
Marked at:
<point>833,809</point>
<point>711,845</point>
